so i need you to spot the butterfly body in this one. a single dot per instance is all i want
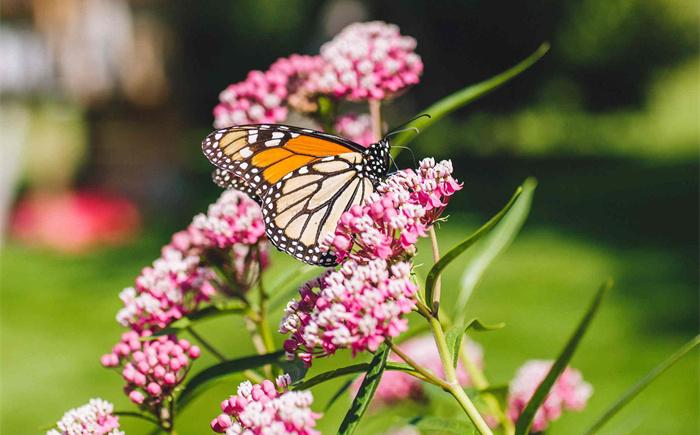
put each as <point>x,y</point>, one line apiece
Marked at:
<point>303,180</point>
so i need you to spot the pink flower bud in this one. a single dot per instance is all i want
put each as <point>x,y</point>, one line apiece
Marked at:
<point>154,389</point>
<point>137,397</point>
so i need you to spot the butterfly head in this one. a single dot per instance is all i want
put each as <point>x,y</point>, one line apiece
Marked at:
<point>377,160</point>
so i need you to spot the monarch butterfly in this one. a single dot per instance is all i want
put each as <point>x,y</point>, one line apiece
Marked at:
<point>303,180</point>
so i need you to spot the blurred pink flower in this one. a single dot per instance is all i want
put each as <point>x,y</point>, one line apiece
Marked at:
<point>266,409</point>
<point>356,307</point>
<point>171,288</point>
<point>396,386</point>
<point>369,61</point>
<point>75,221</point>
<point>569,392</point>
<point>93,418</point>
<point>151,368</point>
<point>357,128</point>
<point>299,72</point>
<point>403,207</point>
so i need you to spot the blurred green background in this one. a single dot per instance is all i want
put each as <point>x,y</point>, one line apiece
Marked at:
<point>607,122</point>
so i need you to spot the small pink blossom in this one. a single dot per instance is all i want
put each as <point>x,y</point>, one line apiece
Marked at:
<point>266,409</point>
<point>396,386</point>
<point>171,288</point>
<point>94,418</point>
<point>151,368</point>
<point>302,88</point>
<point>569,392</point>
<point>356,307</point>
<point>357,128</point>
<point>369,61</point>
<point>400,211</point>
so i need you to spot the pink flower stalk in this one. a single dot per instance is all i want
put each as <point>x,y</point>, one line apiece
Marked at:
<point>569,392</point>
<point>357,128</point>
<point>356,307</point>
<point>262,97</point>
<point>93,418</point>
<point>151,368</point>
<point>369,61</point>
<point>257,99</point>
<point>173,287</point>
<point>403,207</point>
<point>396,386</point>
<point>266,409</point>
<point>299,72</point>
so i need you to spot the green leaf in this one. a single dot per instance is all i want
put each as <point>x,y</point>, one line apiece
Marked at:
<point>286,287</point>
<point>453,253</point>
<point>199,382</point>
<point>492,245</point>
<point>524,422</point>
<point>428,424</point>
<point>642,384</point>
<point>468,95</point>
<point>347,370</point>
<point>209,312</point>
<point>366,392</point>
<point>455,334</point>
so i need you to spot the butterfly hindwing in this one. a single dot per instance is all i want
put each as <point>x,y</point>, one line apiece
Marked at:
<point>226,180</point>
<point>304,207</point>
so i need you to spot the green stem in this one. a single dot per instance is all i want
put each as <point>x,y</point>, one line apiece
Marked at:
<point>425,373</point>
<point>454,388</point>
<point>205,344</point>
<point>436,257</point>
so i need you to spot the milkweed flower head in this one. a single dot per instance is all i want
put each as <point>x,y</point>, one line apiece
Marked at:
<point>94,418</point>
<point>356,308</point>
<point>369,61</point>
<point>356,127</point>
<point>570,392</point>
<point>171,288</point>
<point>151,368</point>
<point>266,409</point>
<point>257,99</point>
<point>396,386</point>
<point>299,72</point>
<point>401,210</point>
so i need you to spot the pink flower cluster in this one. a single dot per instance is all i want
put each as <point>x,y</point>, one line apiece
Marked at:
<point>93,418</point>
<point>356,307</point>
<point>369,61</point>
<point>404,206</point>
<point>151,368</point>
<point>262,96</point>
<point>365,61</point>
<point>396,386</point>
<point>355,127</point>
<point>173,287</point>
<point>569,392</point>
<point>264,409</point>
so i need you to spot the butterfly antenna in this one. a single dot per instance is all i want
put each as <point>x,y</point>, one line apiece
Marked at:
<point>393,132</point>
<point>422,115</point>
<point>394,162</point>
<point>413,156</point>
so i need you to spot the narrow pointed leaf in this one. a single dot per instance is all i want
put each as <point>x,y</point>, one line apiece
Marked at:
<point>431,424</point>
<point>522,426</point>
<point>455,252</point>
<point>338,394</point>
<point>642,384</point>
<point>347,370</point>
<point>468,95</point>
<point>493,244</point>
<point>455,334</point>
<point>200,381</point>
<point>366,392</point>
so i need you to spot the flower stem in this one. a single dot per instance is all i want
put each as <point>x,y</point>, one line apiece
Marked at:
<point>438,284</point>
<point>428,375</point>
<point>205,344</point>
<point>453,386</point>
<point>375,112</point>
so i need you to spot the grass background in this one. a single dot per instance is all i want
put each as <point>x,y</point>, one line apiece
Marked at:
<point>58,318</point>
